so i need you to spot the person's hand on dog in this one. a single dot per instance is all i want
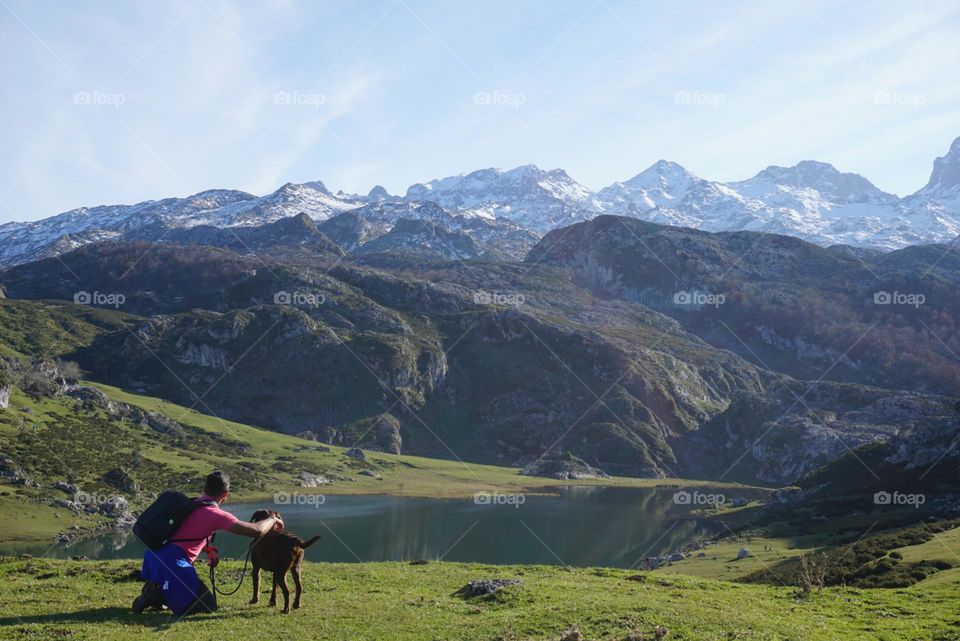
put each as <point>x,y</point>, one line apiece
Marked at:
<point>279,524</point>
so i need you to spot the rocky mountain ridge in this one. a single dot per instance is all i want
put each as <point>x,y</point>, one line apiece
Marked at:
<point>810,200</point>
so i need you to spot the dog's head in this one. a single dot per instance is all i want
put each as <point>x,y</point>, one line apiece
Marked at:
<point>259,515</point>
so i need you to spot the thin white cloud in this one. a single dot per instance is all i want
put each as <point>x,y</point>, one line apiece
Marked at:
<point>199,81</point>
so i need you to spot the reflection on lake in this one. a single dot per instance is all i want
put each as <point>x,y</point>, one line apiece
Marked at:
<point>582,526</point>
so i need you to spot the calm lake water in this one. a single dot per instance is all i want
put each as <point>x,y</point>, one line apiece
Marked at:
<point>579,526</point>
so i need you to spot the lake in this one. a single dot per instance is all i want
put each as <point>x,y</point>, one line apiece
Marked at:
<point>579,526</point>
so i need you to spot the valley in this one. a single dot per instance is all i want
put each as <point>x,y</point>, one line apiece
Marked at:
<point>609,371</point>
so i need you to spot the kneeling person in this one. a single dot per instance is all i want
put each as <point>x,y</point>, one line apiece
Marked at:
<point>169,575</point>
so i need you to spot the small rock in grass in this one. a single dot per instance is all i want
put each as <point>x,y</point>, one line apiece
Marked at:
<point>573,634</point>
<point>485,587</point>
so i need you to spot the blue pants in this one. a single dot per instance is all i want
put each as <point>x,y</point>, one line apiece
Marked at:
<point>183,592</point>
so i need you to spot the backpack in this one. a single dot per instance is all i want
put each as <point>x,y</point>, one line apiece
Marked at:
<point>157,523</point>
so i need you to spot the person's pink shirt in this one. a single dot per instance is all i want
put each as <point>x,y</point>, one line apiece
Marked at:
<point>202,522</point>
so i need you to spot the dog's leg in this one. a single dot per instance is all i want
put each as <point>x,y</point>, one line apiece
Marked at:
<point>298,586</point>
<point>286,593</point>
<point>255,572</point>
<point>273,592</point>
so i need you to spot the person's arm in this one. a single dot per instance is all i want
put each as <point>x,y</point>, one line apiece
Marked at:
<point>254,530</point>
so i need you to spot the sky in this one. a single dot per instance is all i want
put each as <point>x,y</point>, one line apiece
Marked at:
<point>120,102</point>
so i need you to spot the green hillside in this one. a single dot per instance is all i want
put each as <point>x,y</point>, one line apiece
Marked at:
<point>65,439</point>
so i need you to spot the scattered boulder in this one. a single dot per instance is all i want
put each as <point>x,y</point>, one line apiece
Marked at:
<point>568,468</point>
<point>370,473</point>
<point>676,556</point>
<point>120,479</point>
<point>307,479</point>
<point>10,471</point>
<point>114,505</point>
<point>63,486</point>
<point>92,396</point>
<point>739,502</point>
<point>743,553</point>
<point>419,562</point>
<point>162,424</point>
<point>357,454</point>
<point>388,434</point>
<point>4,397</point>
<point>484,587</point>
<point>73,506</point>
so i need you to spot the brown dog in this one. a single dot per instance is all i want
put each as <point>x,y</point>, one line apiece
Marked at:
<point>278,551</point>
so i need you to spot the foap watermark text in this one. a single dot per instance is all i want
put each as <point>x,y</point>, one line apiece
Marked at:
<point>698,499</point>
<point>899,498</point>
<point>298,498</point>
<point>299,299</point>
<point>114,299</point>
<point>497,498</point>
<point>898,298</point>
<point>483,297</point>
<point>696,299</point>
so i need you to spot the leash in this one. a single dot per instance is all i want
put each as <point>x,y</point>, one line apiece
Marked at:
<point>213,580</point>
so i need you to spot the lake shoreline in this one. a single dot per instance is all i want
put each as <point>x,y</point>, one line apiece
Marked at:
<point>629,521</point>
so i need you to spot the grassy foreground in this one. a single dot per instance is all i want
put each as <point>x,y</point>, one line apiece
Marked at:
<point>44,599</point>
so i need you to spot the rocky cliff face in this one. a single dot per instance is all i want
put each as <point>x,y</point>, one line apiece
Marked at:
<point>885,320</point>
<point>578,352</point>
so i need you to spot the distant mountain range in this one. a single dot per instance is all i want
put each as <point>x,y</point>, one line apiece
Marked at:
<point>496,213</point>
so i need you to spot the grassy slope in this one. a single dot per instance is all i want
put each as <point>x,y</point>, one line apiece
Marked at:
<point>52,328</point>
<point>89,600</point>
<point>69,443</point>
<point>402,475</point>
<point>943,546</point>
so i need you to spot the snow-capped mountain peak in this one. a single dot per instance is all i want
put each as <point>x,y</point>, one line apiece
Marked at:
<point>811,200</point>
<point>378,194</point>
<point>527,195</point>
<point>945,176</point>
<point>825,179</point>
<point>662,184</point>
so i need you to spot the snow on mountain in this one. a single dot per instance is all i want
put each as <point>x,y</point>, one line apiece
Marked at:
<point>810,200</point>
<point>494,236</point>
<point>945,179</point>
<point>815,201</point>
<point>20,242</point>
<point>934,210</point>
<point>663,184</point>
<point>529,196</point>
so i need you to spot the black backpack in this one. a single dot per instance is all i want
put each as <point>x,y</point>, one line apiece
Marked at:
<point>157,523</point>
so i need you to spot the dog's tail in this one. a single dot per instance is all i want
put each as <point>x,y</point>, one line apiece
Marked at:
<point>310,542</point>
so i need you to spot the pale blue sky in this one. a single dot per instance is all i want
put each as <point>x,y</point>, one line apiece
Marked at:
<point>115,102</point>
